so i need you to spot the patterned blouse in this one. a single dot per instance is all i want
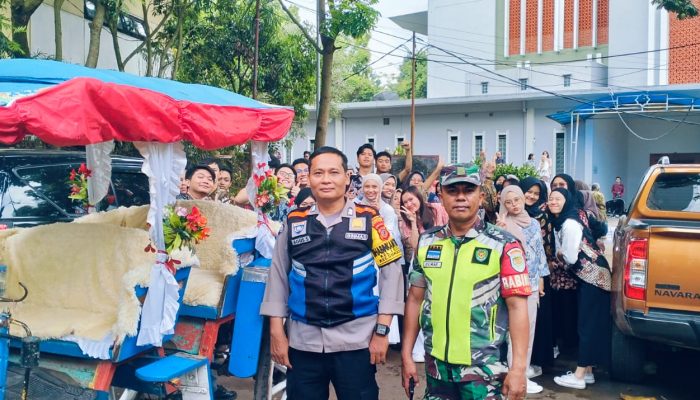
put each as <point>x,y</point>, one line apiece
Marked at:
<point>535,257</point>
<point>560,278</point>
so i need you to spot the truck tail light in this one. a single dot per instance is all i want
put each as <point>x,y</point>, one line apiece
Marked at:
<point>636,269</point>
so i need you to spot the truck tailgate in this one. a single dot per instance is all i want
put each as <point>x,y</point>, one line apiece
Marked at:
<point>673,269</point>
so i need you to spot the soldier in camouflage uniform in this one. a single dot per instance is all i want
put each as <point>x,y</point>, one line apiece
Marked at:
<point>468,286</point>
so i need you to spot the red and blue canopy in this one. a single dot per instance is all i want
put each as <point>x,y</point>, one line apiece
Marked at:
<point>65,105</point>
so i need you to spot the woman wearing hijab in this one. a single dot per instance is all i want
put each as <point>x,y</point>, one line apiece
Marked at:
<point>389,184</point>
<point>535,192</point>
<point>577,249</point>
<point>515,220</point>
<point>583,202</point>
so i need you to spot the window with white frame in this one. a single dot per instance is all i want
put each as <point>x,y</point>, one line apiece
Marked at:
<point>484,87</point>
<point>400,140</point>
<point>567,80</point>
<point>523,83</point>
<point>503,145</point>
<point>288,153</point>
<point>371,140</point>
<point>454,148</point>
<point>312,145</point>
<point>478,144</point>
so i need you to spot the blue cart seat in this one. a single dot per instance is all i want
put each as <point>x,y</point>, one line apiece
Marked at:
<point>171,367</point>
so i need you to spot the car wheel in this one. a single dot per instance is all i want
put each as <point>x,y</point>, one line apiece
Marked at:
<point>628,355</point>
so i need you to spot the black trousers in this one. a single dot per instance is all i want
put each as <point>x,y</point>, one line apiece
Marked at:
<point>351,373</point>
<point>544,331</point>
<point>564,318</point>
<point>594,326</point>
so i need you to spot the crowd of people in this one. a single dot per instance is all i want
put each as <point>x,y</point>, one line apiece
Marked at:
<point>483,279</point>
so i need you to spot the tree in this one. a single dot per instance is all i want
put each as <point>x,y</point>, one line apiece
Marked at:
<point>402,86</point>
<point>353,18</point>
<point>21,12</point>
<point>683,8</point>
<point>95,33</point>
<point>218,51</point>
<point>353,79</point>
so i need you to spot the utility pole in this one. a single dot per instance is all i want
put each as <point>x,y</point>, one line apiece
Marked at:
<point>413,94</point>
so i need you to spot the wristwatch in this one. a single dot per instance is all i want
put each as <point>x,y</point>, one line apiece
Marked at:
<point>381,330</point>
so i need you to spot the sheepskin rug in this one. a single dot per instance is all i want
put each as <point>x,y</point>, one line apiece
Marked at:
<point>217,258</point>
<point>80,278</point>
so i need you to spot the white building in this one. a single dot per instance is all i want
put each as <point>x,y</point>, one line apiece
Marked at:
<point>492,82</point>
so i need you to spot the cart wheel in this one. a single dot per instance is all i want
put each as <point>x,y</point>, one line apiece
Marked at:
<point>270,378</point>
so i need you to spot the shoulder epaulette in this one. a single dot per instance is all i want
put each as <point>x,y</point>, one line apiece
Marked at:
<point>432,230</point>
<point>299,213</point>
<point>499,234</point>
<point>365,209</point>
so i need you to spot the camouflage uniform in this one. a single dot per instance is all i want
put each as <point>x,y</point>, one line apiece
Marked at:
<point>477,374</point>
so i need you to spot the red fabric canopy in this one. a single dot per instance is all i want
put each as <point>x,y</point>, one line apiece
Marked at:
<point>85,110</point>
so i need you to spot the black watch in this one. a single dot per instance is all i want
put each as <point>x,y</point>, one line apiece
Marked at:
<point>381,330</point>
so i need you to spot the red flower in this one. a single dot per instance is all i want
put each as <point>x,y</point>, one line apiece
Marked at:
<point>72,174</point>
<point>111,199</point>
<point>261,165</point>
<point>84,170</point>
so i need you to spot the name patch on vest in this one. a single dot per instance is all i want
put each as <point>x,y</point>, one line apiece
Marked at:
<point>432,264</point>
<point>517,260</point>
<point>481,256</point>
<point>434,252</point>
<point>298,228</point>
<point>358,225</point>
<point>301,240</point>
<point>356,236</point>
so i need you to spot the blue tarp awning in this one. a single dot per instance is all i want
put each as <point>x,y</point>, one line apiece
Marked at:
<point>629,102</point>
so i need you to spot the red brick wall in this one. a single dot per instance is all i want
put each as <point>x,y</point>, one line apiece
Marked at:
<point>603,10</point>
<point>568,24</point>
<point>585,23</point>
<point>531,26</point>
<point>514,28</point>
<point>684,66</point>
<point>547,25</point>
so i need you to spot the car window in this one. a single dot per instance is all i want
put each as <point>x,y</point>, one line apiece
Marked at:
<point>131,188</point>
<point>49,182</point>
<point>675,192</point>
<point>21,200</point>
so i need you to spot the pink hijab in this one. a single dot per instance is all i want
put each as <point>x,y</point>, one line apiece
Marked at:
<point>514,223</point>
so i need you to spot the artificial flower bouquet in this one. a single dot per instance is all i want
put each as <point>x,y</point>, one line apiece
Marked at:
<point>270,192</point>
<point>77,181</point>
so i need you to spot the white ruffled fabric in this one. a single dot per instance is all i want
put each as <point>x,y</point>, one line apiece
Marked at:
<point>98,160</point>
<point>93,348</point>
<point>264,237</point>
<point>163,164</point>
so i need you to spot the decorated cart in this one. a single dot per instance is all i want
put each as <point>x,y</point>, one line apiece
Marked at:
<point>133,298</point>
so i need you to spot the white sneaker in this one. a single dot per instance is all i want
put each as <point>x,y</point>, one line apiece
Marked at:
<point>533,371</point>
<point>556,351</point>
<point>533,387</point>
<point>570,380</point>
<point>589,378</point>
<point>419,358</point>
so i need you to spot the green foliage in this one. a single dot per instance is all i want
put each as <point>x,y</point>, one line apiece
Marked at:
<point>353,18</point>
<point>683,8</point>
<point>402,86</point>
<point>352,76</point>
<point>219,51</point>
<point>521,172</point>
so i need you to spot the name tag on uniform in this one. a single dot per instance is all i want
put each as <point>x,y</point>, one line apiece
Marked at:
<point>358,225</point>
<point>298,228</point>
<point>301,240</point>
<point>356,236</point>
<point>432,264</point>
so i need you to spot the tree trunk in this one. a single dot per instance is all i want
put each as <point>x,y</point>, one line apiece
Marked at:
<point>324,107</point>
<point>58,29</point>
<point>95,33</point>
<point>149,48</point>
<point>115,43</point>
<point>22,11</point>
<point>178,45</point>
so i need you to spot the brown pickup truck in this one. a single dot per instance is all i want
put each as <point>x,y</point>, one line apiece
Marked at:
<point>656,269</point>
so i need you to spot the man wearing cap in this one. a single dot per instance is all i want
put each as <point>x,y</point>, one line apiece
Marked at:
<point>469,287</point>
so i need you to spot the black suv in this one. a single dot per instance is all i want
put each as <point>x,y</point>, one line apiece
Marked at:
<point>34,188</point>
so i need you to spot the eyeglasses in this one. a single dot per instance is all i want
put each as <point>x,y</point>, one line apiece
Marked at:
<point>302,170</point>
<point>285,174</point>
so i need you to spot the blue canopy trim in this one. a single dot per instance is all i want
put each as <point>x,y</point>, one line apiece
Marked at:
<point>630,103</point>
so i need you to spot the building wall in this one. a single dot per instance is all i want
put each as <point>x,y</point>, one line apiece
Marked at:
<point>684,67</point>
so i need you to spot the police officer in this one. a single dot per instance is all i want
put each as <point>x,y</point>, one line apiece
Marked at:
<point>469,286</point>
<point>329,259</point>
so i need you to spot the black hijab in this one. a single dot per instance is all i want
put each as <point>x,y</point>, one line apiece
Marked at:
<point>527,183</point>
<point>569,211</point>
<point>571,187</point>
